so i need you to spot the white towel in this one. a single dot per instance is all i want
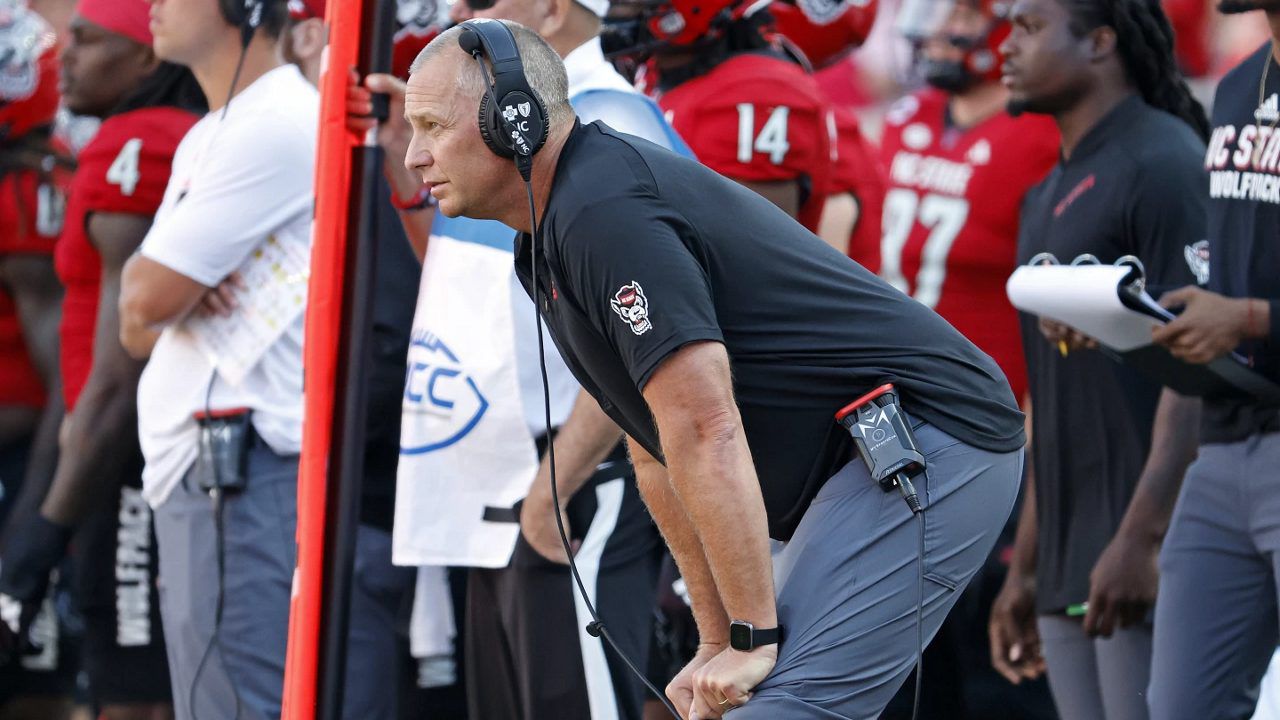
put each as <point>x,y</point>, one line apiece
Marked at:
<point>464,442</point>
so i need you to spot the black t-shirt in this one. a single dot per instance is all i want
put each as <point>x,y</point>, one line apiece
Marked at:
<point>1133,186</point>
<point>645,251</point>
<point>1244,226</point>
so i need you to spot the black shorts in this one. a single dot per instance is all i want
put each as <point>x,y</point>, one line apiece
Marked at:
<point>51,671</point>
<point>117,559</point>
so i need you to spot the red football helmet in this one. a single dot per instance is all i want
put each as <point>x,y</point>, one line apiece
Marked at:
<point>922,20</point>
<point>420,22</point>
<point>824,31</point>
<point>28,71</point>
<point>635,27</point>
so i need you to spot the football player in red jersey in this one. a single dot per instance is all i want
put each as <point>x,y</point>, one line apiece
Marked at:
<point>36,673</point>
<point>821,34</point>
<point>958,166</point>
<point>110,72</point>
<point>746,110</point>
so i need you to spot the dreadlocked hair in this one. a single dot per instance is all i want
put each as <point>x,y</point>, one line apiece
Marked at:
<point>1144,39</point>
<point>169,85</point>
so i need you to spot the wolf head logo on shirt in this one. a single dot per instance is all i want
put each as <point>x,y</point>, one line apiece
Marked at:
<point>1269,110</point>
<point>633,307</point>
<point>1197,256</point>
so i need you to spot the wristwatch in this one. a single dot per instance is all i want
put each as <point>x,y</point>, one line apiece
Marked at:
<point>747,637</point>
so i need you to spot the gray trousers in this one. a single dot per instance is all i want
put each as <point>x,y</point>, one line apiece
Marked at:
<point>247,661</point>
<point>380,591</point>
<point>846,582</point>
<point>1096,678</point>
<point>1216,622</point>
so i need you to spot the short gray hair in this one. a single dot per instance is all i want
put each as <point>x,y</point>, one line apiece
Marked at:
<point>542,67</point>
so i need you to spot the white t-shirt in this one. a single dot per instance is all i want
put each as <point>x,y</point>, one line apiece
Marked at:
<point>236,180</point>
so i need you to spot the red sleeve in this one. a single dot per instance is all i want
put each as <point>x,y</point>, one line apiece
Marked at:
<point>1040,148</point>
<point>754,126</point>
<point>126,167</point>
<point>31,212</point>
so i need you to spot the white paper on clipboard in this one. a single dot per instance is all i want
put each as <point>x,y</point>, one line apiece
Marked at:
<point>1087,298</point>
<point>274,293</point>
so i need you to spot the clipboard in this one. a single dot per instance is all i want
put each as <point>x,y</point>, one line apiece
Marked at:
<point>1110,304</point>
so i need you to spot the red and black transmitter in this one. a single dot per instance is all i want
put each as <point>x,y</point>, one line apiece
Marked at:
<point>883,436</point>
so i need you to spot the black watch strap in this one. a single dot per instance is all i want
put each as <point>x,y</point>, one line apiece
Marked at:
<point>772,636</point>
<point>746,637</point>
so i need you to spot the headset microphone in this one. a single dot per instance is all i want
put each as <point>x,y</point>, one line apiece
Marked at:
<point>514,124</point>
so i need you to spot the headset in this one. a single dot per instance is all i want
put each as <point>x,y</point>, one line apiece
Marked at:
<point>513,119</point>
<point>516,127</point>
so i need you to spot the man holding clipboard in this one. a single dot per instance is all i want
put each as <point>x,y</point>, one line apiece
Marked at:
<point>1216,624</point>
<point>1109,446</point>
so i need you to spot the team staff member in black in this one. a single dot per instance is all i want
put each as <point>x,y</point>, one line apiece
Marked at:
<point>658,274</point>
<point>1216,622</point>
<point>1109,448</point>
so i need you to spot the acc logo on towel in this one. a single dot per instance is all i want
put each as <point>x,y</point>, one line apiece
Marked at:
<point>446,401</point>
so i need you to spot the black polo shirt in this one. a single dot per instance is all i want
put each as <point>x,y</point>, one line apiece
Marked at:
<point>644,251</point>
<point>1133,186</point>
<point>1244,227</point>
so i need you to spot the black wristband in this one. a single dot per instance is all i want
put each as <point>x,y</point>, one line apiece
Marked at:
<point>34,548</point>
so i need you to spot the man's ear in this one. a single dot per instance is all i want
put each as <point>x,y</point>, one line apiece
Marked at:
<point>555,13</point>
<point>1102,43</point>
<point>310,38</point>
<point>148,60</point>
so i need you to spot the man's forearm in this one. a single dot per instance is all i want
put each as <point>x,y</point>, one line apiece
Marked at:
<point>137,339</point>
<point>714,478</point>
<point>1174,436</point>
<point>101,439</point>
<point>416,223</point>
<point>584,440</point>
<point>686,548</point>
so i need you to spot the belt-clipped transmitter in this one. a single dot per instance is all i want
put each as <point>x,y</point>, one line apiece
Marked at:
<point>885,442</point>
<point>222,463</point>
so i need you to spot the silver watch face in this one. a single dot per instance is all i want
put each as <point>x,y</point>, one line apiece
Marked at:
<point>740,635</point>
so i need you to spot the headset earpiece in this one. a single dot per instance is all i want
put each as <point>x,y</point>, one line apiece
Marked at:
<point>246,15</point>
<point>513,120</point>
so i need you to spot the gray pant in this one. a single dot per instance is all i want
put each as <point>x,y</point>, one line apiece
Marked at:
<point>259,540</point>
<point>379,592</point>
<point>1096,678</point>
<point>847,580</point>
<point>248,658</point>
<point>1216,622</point>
